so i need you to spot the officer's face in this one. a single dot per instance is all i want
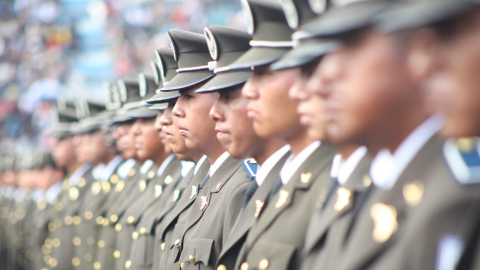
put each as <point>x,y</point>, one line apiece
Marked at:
<point>364,87</point>
<point>80,142</point>
<point>274,114</point>
<point>147,141</point>
<point>63,152</point>
<point>125,140</point>
<point>309,105</point>
<point>456,95</point>
<point>97,147</point>
<point>194,123</point>
<point>161,132</point>
<point>234,128</point>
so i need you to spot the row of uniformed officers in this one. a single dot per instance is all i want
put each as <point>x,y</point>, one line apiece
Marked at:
<point>331,135</point>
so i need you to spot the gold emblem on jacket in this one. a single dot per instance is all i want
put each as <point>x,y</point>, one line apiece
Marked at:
<point>282,198</point>
<point>384,221</point>
<point>413,192</point>
<point>343,199</point>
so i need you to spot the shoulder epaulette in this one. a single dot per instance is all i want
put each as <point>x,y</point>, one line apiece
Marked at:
<point>250,165</point>
<point>463,158</point>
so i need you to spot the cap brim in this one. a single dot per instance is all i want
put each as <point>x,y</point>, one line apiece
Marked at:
<point>141,112</point>
<point>305,54</point>
<point>339,20</point>
<point>161,97</point>
<point>187,79</point>
<point>158,107</point>
<point>419,13</point>
<point>258,56</point>
<point>226,80</point>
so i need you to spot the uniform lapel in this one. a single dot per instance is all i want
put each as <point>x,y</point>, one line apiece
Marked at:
<point>385,212</point>
<point>310,169</point>
<point>340,203</point>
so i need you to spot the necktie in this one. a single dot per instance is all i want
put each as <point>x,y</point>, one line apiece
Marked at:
<point>250,191</point>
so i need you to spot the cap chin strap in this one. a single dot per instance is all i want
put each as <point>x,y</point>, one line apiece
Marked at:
<point>271,44</point>
<point>211,67</point>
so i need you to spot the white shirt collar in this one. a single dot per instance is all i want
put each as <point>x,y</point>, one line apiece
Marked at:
<point>75,177</point>
<point>146,166</point>
<point>52,193</point>
<point>348,166</point>
<point>386,168</point>
<point>186,167</point>
<point>218,163</point>
<point>165,164</point>
<point>111,166</point>
<point>264,169</point>
<point>38,194</point>
<point>97,171</point>
<point>294,162</point>
<point>126,167</point>
<point>336,163</point>
<point>199,164</point>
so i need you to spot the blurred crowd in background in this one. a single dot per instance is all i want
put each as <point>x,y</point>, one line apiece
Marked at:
<point>69,48</point>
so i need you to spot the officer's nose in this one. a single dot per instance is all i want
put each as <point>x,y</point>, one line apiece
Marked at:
<point>216,113</point>
<point>250,89</point>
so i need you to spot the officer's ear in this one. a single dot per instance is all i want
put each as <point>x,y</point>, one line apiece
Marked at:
<point>423,56</point>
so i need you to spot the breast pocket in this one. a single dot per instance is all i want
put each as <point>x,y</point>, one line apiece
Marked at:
<point>271,255</point>
<point>196,254</point>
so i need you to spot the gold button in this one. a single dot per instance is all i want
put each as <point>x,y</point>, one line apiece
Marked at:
<point>116,254</point>
<point>367,181</point>
<point>99,220</point>
<point>181,265</point>
<point>221,267</point>
<point>101,244</point>
<point>135,235</point>
<point>118,228</point>
<point>114,179</point>
<point>53,262</point>
<point>128,264</point>
<point>97,266</point>
<point>143,230</point>
<point>82,182</point>
<point>87,257</point>
<point>105,222</point>
<point>75,261</point>
<point>51,226</point>
<point>90,240</point>
<point>56,242</point>
<point>162,246</point>
<point>88,215</point>
<point>77,241</point>
<point>46,250</point>
<point>58,223</point>
<point>263,264</point>
<point>191,258</point>
<point>68,220</point>
<point>132,172</point>
<point>244,266</point>
<point>77,220</point>
<point>113,218</point>
<point>48,242</point>
<point>130,219</point>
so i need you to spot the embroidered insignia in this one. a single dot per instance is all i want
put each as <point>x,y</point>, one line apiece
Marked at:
<point>258,207</point>
<point>203,202</point>
<point>194,192</point>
